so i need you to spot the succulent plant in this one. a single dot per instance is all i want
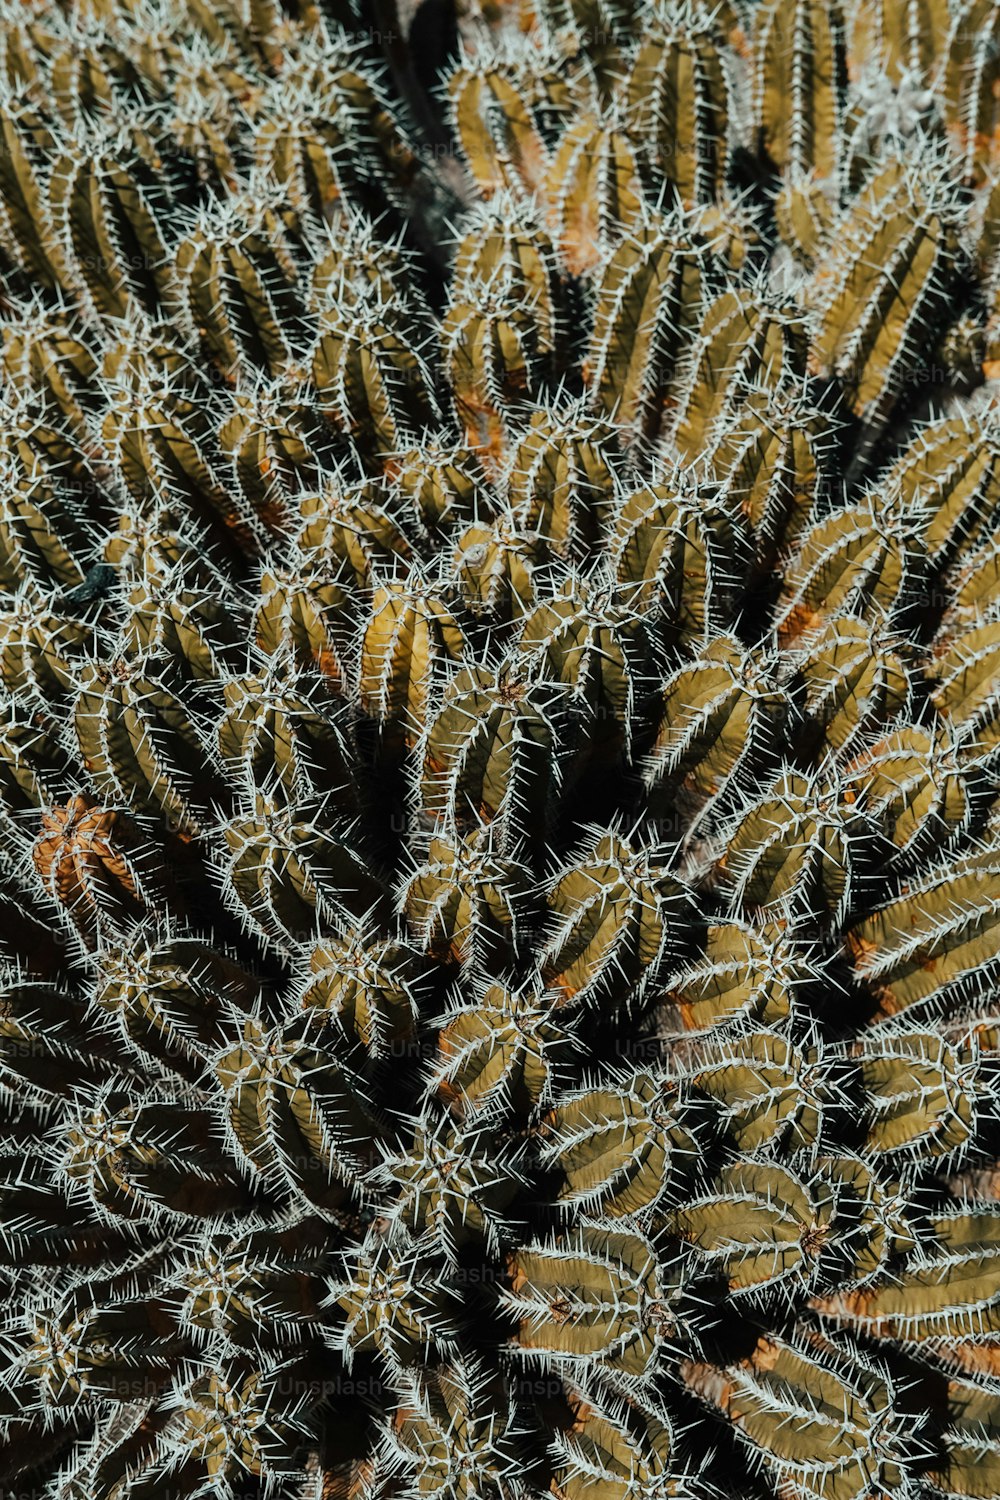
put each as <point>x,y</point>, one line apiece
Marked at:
<point>499,745</point>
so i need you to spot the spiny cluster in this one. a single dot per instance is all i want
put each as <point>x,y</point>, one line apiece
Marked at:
<point>500,645</point>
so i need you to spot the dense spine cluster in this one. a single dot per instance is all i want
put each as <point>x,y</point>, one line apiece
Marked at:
<point>499,729</point>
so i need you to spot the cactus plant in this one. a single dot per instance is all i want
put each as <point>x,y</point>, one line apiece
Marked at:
<point>499,733</point>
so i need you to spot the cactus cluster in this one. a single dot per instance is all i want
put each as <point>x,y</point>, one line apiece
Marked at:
<point>499,747</point>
